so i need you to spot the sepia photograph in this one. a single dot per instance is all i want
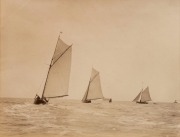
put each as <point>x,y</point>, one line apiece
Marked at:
<point>90,68</point>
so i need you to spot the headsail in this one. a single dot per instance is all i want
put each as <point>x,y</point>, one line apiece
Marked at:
<point>145,96</point>
<point>94,90</point>
<point>138,97</point>
<point>57,82</point>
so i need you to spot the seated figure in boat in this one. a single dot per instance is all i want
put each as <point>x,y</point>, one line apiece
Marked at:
<point>87,101</point>
<point>39,100</point>
<point>110,100</point>
<point>175,101</point>
<point>142,102</point>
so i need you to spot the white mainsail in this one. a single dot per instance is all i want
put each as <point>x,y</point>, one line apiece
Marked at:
<point>57,82</point>
<point>94,90</point>
<point>145,96</point>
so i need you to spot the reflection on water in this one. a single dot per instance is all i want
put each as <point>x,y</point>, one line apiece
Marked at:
<point>72,118</point>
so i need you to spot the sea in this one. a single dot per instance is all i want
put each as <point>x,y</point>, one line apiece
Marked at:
<point>72,118</point>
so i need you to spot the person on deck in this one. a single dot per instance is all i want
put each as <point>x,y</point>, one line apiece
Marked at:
<point>110,100</point>
<point>37,97</point>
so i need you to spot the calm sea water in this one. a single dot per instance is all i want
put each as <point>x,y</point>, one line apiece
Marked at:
<point>20,117</point>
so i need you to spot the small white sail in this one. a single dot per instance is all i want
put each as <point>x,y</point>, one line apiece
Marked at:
<point>57,82</point>
<point>145,96</point>
<point>94,90</point>
<point>138,97</point>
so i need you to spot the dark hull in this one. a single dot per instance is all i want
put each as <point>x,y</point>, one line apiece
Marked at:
<point>39,101</point>
<point>87,101</point>
<point>142,102</point>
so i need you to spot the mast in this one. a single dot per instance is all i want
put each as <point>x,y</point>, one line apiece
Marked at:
<point>49,68</point>
<point>141,92</point>
<point>140,97</point>
<point>85,97</point>
<point>86,94</point>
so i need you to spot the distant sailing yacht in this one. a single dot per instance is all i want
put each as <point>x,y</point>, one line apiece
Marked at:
<point>94,90</point>
<point>175,101</point>
<point>143,96</point>
<point>57,80</point>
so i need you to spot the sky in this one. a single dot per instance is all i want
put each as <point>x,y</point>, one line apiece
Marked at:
<point>132,43</point>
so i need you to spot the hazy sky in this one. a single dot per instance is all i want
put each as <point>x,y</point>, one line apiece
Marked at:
<point>128,41</point>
